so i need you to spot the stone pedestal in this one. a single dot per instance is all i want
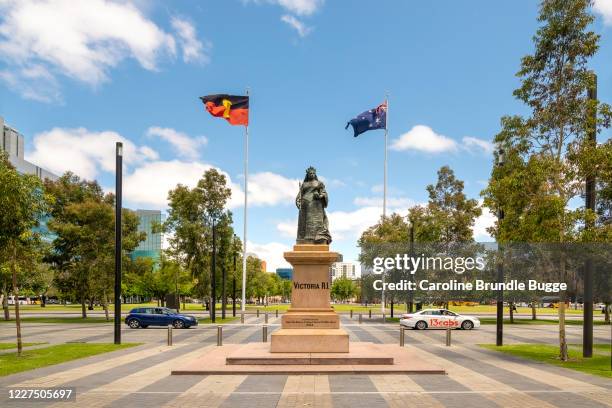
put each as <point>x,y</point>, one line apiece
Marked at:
<point>311,325</point>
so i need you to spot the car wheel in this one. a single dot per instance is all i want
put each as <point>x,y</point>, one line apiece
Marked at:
<point>178,324</point>
<point>134,324</point>
<point>467,325</point>
<point>421,325</point>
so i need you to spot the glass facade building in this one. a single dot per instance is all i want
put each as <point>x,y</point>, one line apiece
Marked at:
<point>285,273</point>
<point>151,246</point>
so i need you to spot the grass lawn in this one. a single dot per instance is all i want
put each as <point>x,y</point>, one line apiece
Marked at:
<point>219,320</point>
<point>599,364</point>
<point>342,307</point>
<point>94,319</point>
<point>8,346</point>
<point>10,363</point>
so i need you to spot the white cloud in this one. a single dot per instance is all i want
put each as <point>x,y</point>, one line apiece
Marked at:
<point>148,185</point>
<point>33,82</point>
<point>395,202</point>
<point>487,219</point>
<point>271,252</point>
<point>423,138</point>
<point>193,49</point>
<point>184,145</point>
<point>82,40</point>
<point>604,7</point>
<point>84,152</point>
<point>302,29</point>
<point>287,228</point>
<point>299,7</point>
<point>344,225</point>
<point>473,143</point>
<point>150,182</point>
<point>348,225</point>
<point>266,188</point>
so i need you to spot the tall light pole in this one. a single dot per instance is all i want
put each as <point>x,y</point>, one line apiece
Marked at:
<point>118,193</point>
<point>234,279</point>
<point>499,332</point>
<point>589,203</point>
<point>223,292</point>
<point>213,278</point>
<point>411,293</point>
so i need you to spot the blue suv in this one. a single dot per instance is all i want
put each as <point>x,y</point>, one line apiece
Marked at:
<point>158,316</point>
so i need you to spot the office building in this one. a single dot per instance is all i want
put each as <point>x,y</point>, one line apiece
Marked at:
<point>285,273</point>
<point>152,245</point>
<point>343,269</point>
<point>13,142</point>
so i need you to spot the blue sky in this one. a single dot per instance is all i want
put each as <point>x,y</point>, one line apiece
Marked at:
<point>77,76</point>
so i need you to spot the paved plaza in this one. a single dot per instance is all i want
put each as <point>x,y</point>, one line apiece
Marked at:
<point>140,376</point>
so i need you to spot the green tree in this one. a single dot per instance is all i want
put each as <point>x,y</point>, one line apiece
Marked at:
<point>450,214</point>
<point>22,204</point>
<point>83,252</point>
<point>549,152</point>
<point>191,217</point>
<point>343,289</point>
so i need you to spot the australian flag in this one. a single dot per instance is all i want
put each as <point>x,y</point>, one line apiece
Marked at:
<point>369,120</point>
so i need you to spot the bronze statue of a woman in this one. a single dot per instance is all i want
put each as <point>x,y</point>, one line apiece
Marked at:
<point>311,200</point>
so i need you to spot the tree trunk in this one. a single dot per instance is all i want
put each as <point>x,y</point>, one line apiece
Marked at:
<point>607,312</point>
<point>16,296</point>
<point>511,305</point>
<point>105,306</point>
<point>91,304</point>
<point>392,309</point>
<point>5,306</point>
<point>234,297</point>
<point>83,308</point>
<point>533,311</point>
<point>562,337</point>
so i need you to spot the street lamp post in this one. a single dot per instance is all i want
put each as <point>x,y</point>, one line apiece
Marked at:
<point>234,281</point>
<point>499,332</point>
<point>587,327</point>
<point>213,278</point>
<point>118,193</point>
<point>223,294</point>
<point>411,293</point>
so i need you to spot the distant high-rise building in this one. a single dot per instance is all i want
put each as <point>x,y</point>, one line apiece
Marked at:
<point>13,142</point>
<point>343,269</point>
<point>151,246</point>
<point>264,266</point>
<point>285,273</point>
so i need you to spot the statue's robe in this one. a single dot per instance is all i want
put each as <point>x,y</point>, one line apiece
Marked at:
<point>313,227</point>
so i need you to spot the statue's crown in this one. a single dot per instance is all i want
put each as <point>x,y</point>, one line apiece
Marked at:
<point>308,170</point>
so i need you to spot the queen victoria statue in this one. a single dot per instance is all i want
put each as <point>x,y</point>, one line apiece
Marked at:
<point>311,200</point>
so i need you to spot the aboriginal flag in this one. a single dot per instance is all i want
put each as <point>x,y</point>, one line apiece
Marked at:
<point>233,108</point>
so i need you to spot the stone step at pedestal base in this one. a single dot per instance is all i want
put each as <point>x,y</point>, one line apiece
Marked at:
<point>310,341</point>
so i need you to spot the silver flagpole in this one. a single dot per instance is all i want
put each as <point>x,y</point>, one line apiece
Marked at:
<point>244,235</point>
<point>386,141</point>
<point>382,306</point>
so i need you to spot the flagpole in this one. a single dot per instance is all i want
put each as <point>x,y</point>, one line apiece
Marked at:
<point>382,306</point>
<point>386,142</point>
<point>244,235</point>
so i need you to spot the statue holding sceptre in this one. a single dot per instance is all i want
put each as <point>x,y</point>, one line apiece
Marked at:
<point>312,199</point>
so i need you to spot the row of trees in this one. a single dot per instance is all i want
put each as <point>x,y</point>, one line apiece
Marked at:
<point>537,184</point>
<point>75,259</point>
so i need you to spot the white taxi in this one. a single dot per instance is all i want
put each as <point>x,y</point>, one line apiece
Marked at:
<point>438,319</point>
